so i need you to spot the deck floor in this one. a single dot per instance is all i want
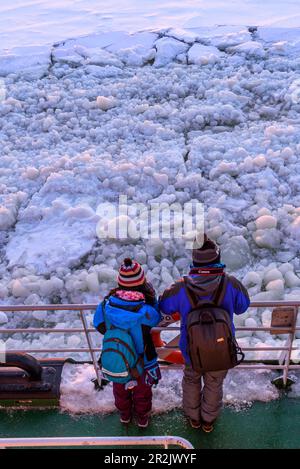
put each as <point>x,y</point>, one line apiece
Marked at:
<point>274,424</point>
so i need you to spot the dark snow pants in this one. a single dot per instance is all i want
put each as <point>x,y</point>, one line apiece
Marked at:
<point>137,401</point>
<point>202,401</point>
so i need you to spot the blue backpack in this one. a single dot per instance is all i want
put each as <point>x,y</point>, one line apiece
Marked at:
<point>119,360</point>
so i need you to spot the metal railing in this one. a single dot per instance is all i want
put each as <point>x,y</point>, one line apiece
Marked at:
<point>284,361</point>
<point>164,441</point>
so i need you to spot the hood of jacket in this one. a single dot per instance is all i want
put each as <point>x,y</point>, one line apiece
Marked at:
<point>205,280</point>
<point>124,314</point>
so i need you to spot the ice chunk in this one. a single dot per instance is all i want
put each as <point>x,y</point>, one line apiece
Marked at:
<point>18,289</point>
<point>33,299</point>
<point>166,277</point>
<point>7,218</point>
<point>80,211</point>
<point>78,393</point>
<point>252,278</point>
<point>166,263</point>
<point>105,274</point>
<point>3,318</point>
<point>201,55</point>
<point>162,179</point>
<point>229,38</point>
<point>267,238</point>
<point>124,40</point>
<point>266,318</point>
<point>73,341</point>
<point>251,322</point>
<point>250,48</point>
<point>241,388</point>
<point>3,291</point>
<point>21,59</point>
<point>105,103</point>
<point>31,172</point>
<point>265,296</point>
<point>236,253</point>
<point>291,279</point>
<point>53,285</point>
<point>155,247</point>
<point>40,315</point>
<point>272,274</point>
<point>295,228</point>
<point>167,50</point>
<point>286,267</point>
<point>136,56</point>
<point>266,221</point>
<point>93,282</point>
<point>274,33</point>
<point>101,57</point>
<point>183,35</point>
<point>276,286</point>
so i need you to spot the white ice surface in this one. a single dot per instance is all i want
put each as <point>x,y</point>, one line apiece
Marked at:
<point>240,389</point>
<point>40,22</point>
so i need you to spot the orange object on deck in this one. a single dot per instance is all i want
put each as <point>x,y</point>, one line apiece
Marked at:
<point>170,356</point>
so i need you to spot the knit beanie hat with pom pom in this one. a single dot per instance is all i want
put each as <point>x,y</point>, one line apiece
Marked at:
<point>131,274</point>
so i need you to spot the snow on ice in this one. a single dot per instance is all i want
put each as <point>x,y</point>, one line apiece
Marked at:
<point>78,394</point>
<point>174,115</point>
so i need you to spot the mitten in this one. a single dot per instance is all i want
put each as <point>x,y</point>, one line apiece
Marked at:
<point>152,374</point>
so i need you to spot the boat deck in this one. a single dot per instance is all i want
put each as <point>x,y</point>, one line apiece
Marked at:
<point>269,425</point>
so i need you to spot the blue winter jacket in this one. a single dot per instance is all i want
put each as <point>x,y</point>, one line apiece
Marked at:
<point>175,299</point>
<point>137,323</point>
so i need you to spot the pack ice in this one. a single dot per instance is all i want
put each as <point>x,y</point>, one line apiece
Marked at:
<point>173,115</point>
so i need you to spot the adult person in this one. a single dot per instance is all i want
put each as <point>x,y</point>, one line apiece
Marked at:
<point>202,401</point>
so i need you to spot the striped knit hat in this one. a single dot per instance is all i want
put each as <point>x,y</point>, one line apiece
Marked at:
<point>131,274</point>
<point>209,253</point>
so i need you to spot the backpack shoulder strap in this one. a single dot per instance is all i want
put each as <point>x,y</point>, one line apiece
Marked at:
<point>219,293</point>
<point>107,322</point>
<point>193,299</point>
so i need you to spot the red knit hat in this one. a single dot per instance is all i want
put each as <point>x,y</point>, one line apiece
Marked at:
<point>131,274</point>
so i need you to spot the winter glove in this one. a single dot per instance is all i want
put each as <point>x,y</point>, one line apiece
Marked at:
<point>152,374</point>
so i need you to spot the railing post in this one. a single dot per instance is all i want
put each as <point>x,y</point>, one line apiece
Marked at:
<point>289,344</point>
<point>90,346</point>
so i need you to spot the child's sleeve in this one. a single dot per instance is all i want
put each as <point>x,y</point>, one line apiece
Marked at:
<point>98,321</point>
<point>152,317</point>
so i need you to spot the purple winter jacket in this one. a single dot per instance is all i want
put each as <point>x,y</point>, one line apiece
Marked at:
<point>234,299</point>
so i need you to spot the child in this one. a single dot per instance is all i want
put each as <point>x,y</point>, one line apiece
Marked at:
<point>131,308</point>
